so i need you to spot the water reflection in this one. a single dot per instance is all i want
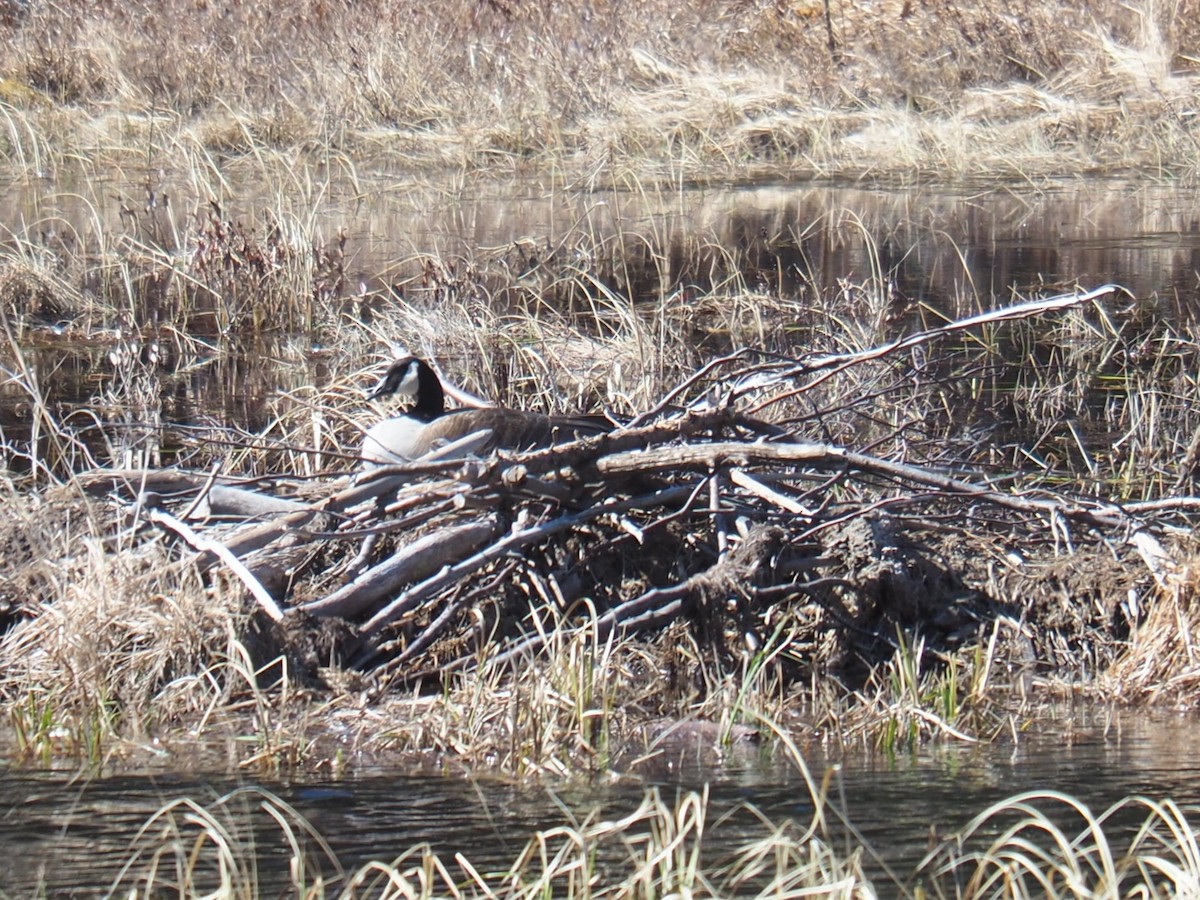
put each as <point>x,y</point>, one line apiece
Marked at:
<point>142,401</point>
<point>75,836</point>
<point>946,245</point>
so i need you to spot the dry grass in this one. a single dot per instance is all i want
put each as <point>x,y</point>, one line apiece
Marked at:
<point>605,313</point>
<point>87,606</point>
<point>1036,844</point>
<point>567,341</point>
<point>1161,665</point>
<point>566,336</point>
<point>656,850</point>
<point>162,647</point>
<point>1048,844</point>
<point>118,647</point>
<point>720,87</point>
<point>119,639</point>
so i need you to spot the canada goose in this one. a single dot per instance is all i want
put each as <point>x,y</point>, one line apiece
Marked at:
<point>427,430</point>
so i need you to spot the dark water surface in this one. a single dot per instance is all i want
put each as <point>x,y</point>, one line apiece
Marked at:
<point>72,836</point>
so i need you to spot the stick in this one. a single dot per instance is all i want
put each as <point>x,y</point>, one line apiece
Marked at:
<point>837,362</point>
<point>419,593</point>
<point>760,490</point>
<point>235,565</point>
<point>417,560</point>
<point>733,453</point>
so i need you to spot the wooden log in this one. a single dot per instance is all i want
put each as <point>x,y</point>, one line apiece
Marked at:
<point>656,607</point>
<point>414,596</point>
<point>222,500</point>
<point>413,562</point>
<point>132,482</point>
<point>743,480</point>
<point>299,524</point>
<point>713,456</point>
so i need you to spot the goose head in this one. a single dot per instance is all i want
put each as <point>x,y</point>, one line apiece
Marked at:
<point>414,379</point>
<point>424,430</point>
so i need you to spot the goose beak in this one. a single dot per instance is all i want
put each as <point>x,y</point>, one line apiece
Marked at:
<point>376,391</point>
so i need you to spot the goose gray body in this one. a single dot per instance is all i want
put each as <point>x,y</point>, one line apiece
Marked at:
<point>427,431</point>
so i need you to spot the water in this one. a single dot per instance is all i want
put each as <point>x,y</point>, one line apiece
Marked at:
<point>73,836</point>
<point>941,242</point>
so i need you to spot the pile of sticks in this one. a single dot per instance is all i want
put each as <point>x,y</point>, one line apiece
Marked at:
<point>701,509</point>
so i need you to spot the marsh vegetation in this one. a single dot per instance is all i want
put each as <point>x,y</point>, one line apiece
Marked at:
<point>842,505</point>
<point>603,92</point>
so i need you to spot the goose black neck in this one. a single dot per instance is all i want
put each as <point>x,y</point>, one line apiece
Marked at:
<point>431,399</point>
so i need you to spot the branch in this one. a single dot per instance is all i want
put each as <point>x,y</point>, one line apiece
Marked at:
<point>235,565</point>
<point>733,453</point>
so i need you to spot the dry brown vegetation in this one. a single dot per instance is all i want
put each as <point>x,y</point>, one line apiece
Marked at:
<point>847,595</point>
<point>713,89</point>
<point>1040,843</point>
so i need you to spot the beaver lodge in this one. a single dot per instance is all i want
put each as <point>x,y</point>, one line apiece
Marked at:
<point>726,510</point>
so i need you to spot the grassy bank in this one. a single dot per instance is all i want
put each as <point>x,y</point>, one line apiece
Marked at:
<point>712,90</point>
<point>872,611</point>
